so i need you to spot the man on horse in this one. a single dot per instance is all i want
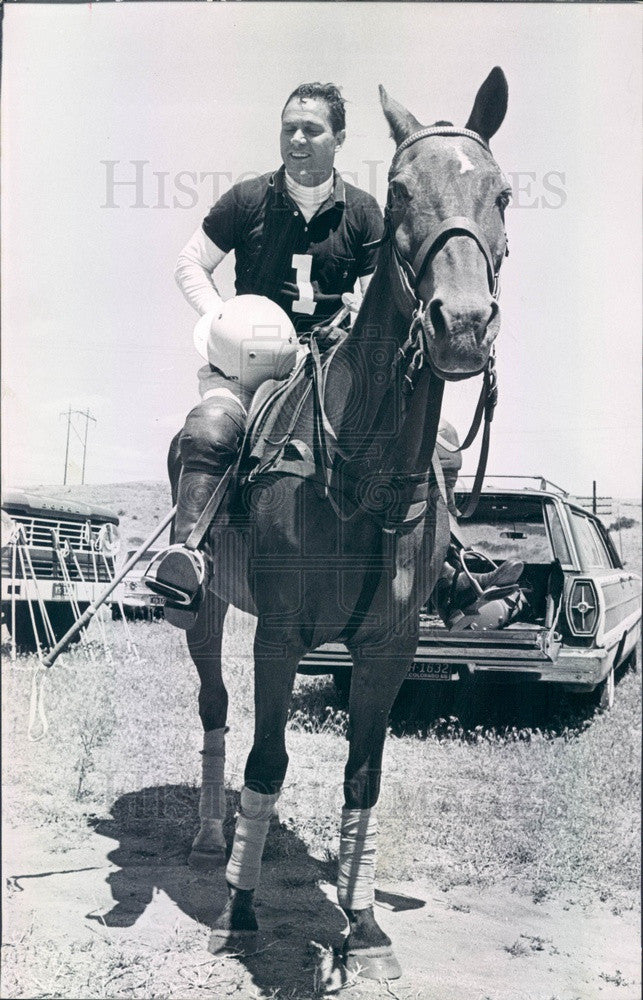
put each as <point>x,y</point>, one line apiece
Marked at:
<point>302,238</point>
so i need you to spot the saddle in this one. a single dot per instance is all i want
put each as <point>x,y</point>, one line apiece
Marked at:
<point>281,409</point>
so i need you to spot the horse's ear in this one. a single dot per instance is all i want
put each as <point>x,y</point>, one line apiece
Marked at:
<point>402,122</point>
<point>490,105</point>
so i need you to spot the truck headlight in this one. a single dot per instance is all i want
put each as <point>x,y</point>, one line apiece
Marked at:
<point>9,529</point>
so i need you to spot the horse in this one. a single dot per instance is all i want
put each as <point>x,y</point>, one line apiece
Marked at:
<point>349,547</point>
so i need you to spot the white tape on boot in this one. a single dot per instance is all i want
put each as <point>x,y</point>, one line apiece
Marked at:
<point>244,866</point>
<point>357,859</point>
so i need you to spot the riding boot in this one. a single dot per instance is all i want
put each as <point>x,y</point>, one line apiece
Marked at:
<point>450,598</point>
<point>179,573</point>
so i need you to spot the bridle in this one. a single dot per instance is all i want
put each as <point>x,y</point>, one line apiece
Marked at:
<point>407,277</point>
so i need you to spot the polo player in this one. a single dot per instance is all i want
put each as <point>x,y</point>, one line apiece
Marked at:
<point>303,237</point>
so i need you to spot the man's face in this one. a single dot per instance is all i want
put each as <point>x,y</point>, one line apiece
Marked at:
<point>308,144</point>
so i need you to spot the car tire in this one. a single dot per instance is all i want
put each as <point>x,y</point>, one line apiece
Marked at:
<point>631,663</point>
<point>603,695</point>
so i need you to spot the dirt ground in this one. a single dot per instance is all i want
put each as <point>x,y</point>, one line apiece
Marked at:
<point>489,945</point>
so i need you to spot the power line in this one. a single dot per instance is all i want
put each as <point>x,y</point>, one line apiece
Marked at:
<point>71,427</point>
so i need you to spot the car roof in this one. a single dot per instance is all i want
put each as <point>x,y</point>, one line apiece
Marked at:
<point>534,486</point>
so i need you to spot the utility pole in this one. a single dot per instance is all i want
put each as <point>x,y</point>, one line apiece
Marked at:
<point>67,445</point>
<point>83,440</point>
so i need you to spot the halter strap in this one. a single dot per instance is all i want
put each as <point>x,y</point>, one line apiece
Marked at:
<point>455,224</point>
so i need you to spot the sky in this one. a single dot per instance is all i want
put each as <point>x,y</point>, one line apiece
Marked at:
<point>180,99</point>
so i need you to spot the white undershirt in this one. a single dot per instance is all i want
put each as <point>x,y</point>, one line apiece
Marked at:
<point>309,199</point>
<point>193,272</point>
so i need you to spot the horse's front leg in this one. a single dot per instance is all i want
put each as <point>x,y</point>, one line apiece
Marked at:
<point>204,642</point>
<point>264,776</point>
<point>377,676</point>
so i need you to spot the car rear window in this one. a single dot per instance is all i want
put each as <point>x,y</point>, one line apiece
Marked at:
<point>506,527</point>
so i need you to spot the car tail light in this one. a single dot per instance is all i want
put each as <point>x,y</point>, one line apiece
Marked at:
<point>582,608</point>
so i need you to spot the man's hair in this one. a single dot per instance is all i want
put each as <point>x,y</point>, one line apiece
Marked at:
<point>326,92</point>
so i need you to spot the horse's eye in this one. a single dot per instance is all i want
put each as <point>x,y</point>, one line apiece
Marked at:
<point>399,193</point>
<point>503,200</point>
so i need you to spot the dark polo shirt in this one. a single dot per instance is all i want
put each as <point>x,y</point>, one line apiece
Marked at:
<point>259,220</point>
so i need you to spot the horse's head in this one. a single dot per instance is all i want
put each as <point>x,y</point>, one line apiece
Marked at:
<point>445,211</point>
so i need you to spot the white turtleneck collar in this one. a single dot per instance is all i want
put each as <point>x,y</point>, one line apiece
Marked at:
<point>309,199</point>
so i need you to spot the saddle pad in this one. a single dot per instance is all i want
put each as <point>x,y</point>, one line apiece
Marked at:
<point>275,412</point>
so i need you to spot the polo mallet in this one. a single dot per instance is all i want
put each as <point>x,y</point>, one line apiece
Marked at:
<point>87,615</point>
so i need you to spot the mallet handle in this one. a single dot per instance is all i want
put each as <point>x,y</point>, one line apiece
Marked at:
<point>55,652</point>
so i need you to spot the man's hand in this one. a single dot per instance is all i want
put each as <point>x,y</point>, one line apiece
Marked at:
<point>325,335</point>
<point>354,301</point>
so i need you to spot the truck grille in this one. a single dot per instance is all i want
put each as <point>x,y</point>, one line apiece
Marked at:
<point>47,566</point>
<point>37,542</point>
<point>39,531</point>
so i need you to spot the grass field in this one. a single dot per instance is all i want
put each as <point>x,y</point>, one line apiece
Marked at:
<point>525,789</point>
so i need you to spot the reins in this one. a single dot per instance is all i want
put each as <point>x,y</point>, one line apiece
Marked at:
<point>405,286</point>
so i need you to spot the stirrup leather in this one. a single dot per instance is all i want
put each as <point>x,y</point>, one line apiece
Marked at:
<point>176,573</point>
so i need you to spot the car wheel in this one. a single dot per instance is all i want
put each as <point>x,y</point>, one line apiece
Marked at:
<point>632,661</point>
<point>603,695</point>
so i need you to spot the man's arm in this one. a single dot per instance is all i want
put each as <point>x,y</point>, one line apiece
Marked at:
<point>193,272</point>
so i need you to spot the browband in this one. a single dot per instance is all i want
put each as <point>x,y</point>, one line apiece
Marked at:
<point>424,133</point>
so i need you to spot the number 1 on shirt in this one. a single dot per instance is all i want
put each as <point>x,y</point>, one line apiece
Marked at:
<point>302,263</point>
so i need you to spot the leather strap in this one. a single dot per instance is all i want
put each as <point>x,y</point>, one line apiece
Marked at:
<point>212,506</point>
<point>454,224</point>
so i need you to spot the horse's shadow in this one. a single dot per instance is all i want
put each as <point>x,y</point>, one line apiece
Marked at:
<point>463,709</point>
<point>154,828</point>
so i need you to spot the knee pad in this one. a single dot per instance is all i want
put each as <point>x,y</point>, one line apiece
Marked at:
<point>211,436</point>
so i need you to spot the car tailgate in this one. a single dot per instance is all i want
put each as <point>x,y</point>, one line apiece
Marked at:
<point>513,643</point>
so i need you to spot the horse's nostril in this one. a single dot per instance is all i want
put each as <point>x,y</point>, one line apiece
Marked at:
<point>483,325</point>
<point>438,324</point>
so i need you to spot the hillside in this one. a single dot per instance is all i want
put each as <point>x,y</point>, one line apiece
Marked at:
<point>141,505</point>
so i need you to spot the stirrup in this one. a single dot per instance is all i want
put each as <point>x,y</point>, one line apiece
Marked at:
<point>177,573</point>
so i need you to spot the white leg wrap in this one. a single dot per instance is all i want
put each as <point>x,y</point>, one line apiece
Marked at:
<point>357,858</point>
<point>212,799</point>
<point>244,866</point>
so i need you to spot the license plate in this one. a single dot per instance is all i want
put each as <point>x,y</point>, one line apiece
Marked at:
<point>157,599</point>
<point>431,672</point>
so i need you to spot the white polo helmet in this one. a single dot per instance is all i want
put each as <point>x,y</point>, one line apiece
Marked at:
<point>249,338</point>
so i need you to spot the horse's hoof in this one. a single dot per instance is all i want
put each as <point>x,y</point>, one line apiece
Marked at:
<point>230,942</point>
<point>373,963</point>
<point>236,930</point>
<point>207,860</point>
